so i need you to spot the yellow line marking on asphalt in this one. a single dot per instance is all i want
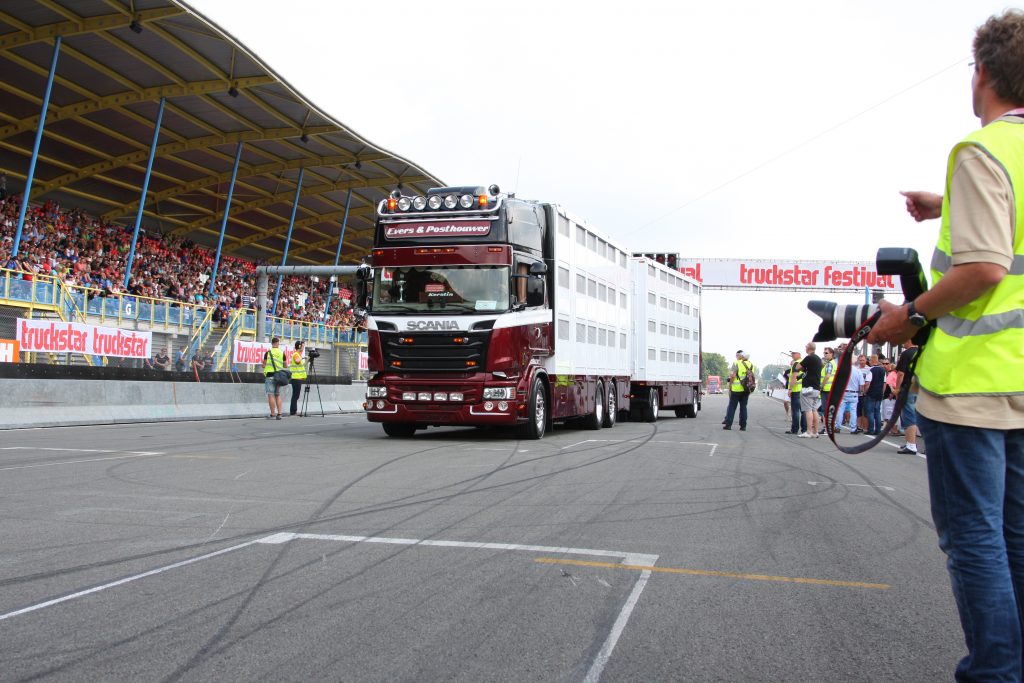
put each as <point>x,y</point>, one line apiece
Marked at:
<point>705,572</point>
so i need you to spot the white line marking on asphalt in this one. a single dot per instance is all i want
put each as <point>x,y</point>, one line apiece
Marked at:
<point>119,582</point>
<point>242,475</point>
<point>597,667</point>
<point>835,483</point>
<point>697,443</point>
<point>72,462</point>
<point>601,660</point>
<point>628,558</point>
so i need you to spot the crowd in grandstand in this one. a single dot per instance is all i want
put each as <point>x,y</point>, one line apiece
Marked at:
<point>84,251</point>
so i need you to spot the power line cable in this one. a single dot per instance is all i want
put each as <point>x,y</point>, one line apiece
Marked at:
<point>802,144</point>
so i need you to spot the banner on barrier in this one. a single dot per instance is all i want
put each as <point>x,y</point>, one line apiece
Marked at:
<point>50,336</point>
<point>8,351</point>
<point>788,275</point>
<point>249,353</point>
<point>364,360</point>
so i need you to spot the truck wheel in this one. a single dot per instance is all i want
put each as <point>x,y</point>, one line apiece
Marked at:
<point>401,430</point>
<point>611,410</point>
<point>653,406</point>
<point>596,419</point>
<point>537,414</point>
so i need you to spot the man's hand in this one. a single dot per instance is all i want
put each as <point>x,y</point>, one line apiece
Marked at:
<point>923,205</point>
<point>894,326</point>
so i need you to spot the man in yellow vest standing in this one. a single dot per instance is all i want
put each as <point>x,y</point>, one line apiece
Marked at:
<point>298,368</point>
<point>738,393</point>
<point>273,361</point>
<point>971,371</point>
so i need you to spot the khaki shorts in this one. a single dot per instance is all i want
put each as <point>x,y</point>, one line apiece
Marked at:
<point>810,399</point>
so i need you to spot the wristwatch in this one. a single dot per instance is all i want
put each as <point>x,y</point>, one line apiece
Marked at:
<point>916,319</point>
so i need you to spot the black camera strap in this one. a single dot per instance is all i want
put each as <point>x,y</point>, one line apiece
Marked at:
<point>842,379</point>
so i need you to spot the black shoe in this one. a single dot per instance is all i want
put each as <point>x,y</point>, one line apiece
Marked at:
<point>726,427</point>
<point>858,430</point>
<point>906,451</point>
<point>743,429</point>
<point>789,431</point>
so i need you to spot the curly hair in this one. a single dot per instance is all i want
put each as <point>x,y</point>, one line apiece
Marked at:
<point>999,46</point>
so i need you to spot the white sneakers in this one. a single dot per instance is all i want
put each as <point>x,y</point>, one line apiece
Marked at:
<point>805,435</point>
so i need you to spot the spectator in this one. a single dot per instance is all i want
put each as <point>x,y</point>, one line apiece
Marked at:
<point>908,417</point>
<point>810,394</point>
<point>181,363</point>
<point>873,396</point>
<point>161,361</point>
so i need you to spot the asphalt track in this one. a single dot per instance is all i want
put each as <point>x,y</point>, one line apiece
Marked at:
<point>319,549</point>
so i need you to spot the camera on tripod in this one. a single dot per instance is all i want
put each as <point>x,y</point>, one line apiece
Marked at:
<point>312,353</point>
<point>843,320</point>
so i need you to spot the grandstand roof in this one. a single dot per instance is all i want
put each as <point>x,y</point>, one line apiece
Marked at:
<point>99,127</point>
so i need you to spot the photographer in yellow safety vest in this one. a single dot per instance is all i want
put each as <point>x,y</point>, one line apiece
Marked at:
<point>273,361</point>
<point>298,368</point>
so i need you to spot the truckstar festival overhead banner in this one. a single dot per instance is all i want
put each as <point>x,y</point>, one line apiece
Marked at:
<point>60,337</point>
<point>788,275</point>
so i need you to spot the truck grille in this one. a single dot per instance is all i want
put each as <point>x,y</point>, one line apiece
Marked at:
<point>434,351</point>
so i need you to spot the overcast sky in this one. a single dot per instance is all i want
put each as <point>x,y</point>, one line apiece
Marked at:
<point>740,129</point>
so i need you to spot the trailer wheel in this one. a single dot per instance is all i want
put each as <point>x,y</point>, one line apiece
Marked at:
<point>653,406</point>
<point>596,419</point>
<point>537,413</point>
<point>400,430</point>
<point>686,411</point>
<point>611,411</point>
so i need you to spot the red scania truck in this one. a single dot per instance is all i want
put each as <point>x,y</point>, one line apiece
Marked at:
<point>489,310</point>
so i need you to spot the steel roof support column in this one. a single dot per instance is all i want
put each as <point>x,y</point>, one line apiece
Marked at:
<point>224,222</point>
<point>288,240</point>
<point>337,254</point>
<point>35,149</point>
<point>145,189</point>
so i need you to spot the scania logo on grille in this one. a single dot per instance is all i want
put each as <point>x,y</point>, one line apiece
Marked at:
<point>431,325</point>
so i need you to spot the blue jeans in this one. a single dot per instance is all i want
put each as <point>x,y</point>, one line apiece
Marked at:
<point>737,398</point>
<point>849,407</point>
<point>976,481</point>
<point>873,411</point>
<point>799,420</point>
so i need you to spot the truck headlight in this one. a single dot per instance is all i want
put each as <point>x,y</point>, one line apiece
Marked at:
<point>376,392</point>
<point>499,392</point>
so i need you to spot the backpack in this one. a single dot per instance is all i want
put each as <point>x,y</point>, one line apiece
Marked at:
<point>749,381</point>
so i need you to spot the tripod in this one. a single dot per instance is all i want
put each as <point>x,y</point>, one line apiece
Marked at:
<point>305,394</point>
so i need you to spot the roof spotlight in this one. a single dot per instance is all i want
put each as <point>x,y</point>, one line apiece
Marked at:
<point>135,26</point>
<point>450,201</point>
<point>304,137</point>
<point>233,91</point>
<point>358,164</point>
<point>395,194</point>
<point>494,190</point>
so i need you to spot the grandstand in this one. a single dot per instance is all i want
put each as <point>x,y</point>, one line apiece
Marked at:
<point>167,163</point>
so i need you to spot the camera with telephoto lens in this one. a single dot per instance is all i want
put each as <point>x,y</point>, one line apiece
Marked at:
<point>312,353</point>
<point>843,320</point>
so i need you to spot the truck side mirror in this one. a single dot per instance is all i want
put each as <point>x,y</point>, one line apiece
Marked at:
<point>538,268</point>
<point>535,290</point>
<point>362,289</point>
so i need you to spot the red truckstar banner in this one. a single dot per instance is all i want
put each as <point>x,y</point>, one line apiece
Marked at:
<point>249,353</point>
<point>62,337</point>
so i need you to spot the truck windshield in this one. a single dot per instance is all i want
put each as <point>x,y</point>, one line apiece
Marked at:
<point>452,289</point>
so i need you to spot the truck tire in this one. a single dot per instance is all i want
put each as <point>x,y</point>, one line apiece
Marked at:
<point>537,412</point>
<point>653,406</point>
<point>596,419</point>
<point>611,406</point>
<point>399,430</point>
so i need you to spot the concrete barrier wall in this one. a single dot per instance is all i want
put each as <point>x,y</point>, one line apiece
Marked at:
<point>53,402</point>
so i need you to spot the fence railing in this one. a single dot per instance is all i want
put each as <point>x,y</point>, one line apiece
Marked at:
<point>38,295</point>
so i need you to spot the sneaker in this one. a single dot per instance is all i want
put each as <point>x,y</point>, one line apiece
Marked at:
<point>805,435</point>
<point>858,430</point>
<point>907,451</point>
<point>278,417</point>
<point>743,429</point>
<point>726,427</point>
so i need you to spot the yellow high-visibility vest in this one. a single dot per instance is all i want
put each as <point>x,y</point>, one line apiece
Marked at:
<point>278,358</point>
<point>977,348</point>
<point>298,366</point>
